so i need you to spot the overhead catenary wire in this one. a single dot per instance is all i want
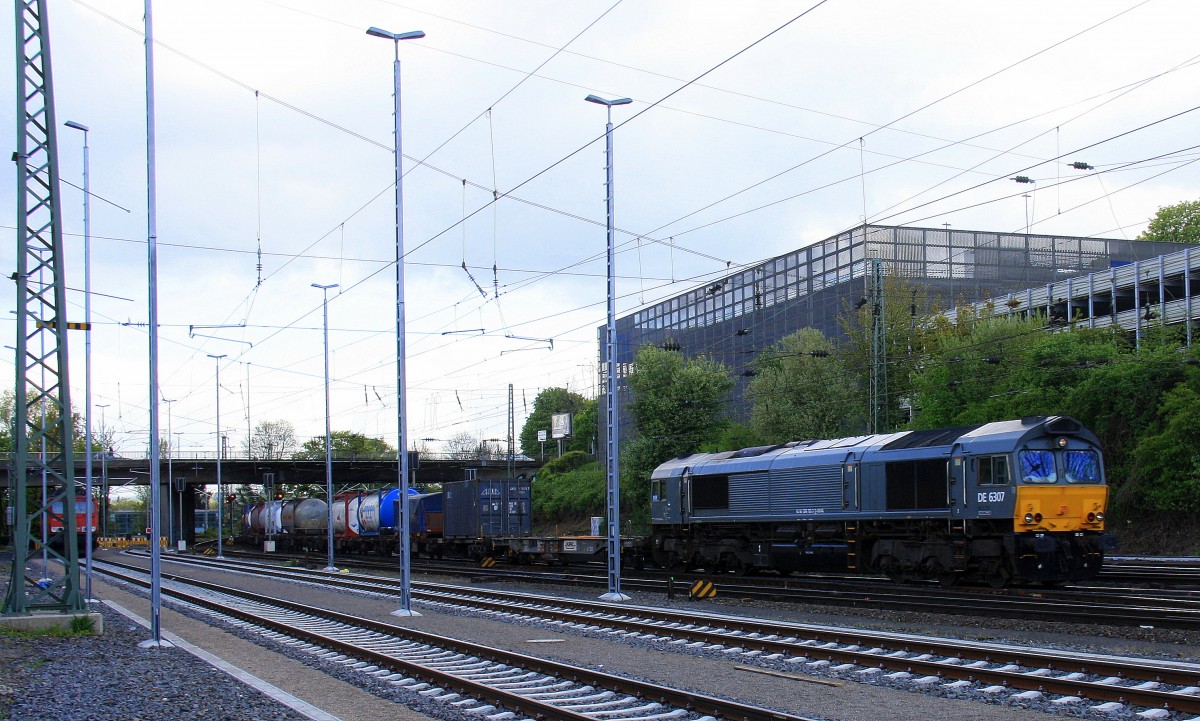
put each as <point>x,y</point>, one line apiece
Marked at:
<point>639,242</point>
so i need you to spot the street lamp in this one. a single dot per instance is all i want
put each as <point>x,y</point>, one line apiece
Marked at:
<point>220,489</point>
<point>613,480</point>
<point>328,441</point>
<point>87,352</point>
<point>179,491</point>
<point>401,419</point>
<point>103,469</point>
<point>170,479</point>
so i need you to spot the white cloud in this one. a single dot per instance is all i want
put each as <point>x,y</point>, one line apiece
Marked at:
<point>228,163</point>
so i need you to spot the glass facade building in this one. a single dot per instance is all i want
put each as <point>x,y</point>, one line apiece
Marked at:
<point>734,318</point>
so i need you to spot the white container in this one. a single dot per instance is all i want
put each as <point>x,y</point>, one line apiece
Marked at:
<point>268,546</point>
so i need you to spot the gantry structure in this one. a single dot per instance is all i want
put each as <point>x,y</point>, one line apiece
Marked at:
<point>43,477</point>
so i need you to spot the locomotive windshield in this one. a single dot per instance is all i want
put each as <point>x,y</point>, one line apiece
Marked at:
<point>1038,467</point>
<point>1081,467</point>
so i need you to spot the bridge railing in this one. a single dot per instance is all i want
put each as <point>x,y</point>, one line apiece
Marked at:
<point>297,456</point>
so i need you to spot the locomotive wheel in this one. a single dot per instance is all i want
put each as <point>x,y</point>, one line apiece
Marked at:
<point>948,579</point>
<point>997,577</point>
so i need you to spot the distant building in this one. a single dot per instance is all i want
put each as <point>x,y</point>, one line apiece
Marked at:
<point>734,318</point>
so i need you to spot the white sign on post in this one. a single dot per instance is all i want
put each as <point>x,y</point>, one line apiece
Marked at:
<point>560,425</point>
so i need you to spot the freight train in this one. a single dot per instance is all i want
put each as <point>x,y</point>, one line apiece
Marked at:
<point>1012,502</point>
<point>477,519</point>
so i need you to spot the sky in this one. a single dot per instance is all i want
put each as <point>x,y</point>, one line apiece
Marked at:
<point>756,128</point>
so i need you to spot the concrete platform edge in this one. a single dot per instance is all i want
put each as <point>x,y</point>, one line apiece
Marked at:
<point>283,697</point>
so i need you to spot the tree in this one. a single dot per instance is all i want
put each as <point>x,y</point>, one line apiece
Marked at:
<point>678,405</point>
<point>800,392</point>
<point>347,443</point>
<point>464,446</point>
<point>905,306</point>
<point>549,402</point>
<point>273,440</point>
<point>1178,223</point>
<point>586,428</point>
<point>8,401</point>
<point>1166,468</point>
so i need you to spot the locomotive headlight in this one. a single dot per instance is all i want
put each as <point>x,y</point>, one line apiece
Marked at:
<point>1029,518</point>
<point>1062,442</point>
<point>1099,518</point>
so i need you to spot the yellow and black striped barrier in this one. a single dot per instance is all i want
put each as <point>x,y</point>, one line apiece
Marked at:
<point>127,541</point>
<point>487,562</point>
<point>702,590</point>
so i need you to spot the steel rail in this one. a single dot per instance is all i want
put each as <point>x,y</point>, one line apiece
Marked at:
<point>691,701</point>
<point>912,654</point>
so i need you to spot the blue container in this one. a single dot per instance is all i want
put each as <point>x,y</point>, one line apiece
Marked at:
<point>488,508</point>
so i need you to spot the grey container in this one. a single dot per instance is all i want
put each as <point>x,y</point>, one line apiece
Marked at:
<point>309,517</point>
<point>488,508</point>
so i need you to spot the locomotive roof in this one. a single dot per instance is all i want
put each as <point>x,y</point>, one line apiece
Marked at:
<point>995,437</point>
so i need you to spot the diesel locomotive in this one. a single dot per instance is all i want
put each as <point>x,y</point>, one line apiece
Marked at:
<point>1012,502</point>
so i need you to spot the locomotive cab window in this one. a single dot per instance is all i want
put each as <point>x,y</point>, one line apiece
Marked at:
<point>710,492</point>
<point>1038,467</point>
<point>657,492</point>
<point>993,471</point>
<point>1081,467</point>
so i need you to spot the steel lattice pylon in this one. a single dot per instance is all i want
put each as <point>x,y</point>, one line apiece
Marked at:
<point>43,441</point>
<point>879,380</point>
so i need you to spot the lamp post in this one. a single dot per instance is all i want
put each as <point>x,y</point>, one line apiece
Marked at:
<point>87,355</point>
<point>179,491</point>
<point>328,439</point>
<point>170,479</point>
<point>220,489</point>
<point>613,484</point>
<point>104,469</point>
<point>401,412</point>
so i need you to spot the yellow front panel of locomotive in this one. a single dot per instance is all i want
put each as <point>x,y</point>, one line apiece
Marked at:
<point>1057,508</point>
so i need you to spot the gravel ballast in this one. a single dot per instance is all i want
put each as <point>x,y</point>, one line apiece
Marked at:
<point>169,683</point>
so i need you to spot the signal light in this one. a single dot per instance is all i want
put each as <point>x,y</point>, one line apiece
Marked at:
<point>232,498</point>
<point>279,496</point>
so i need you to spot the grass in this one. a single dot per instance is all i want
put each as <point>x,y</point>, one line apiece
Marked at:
<point>81,625</point>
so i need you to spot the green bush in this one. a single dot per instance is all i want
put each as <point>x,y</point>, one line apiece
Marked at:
<point>569,495</point>
<point>564,464</point>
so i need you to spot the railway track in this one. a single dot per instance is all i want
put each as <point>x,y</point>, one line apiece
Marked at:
<point>473,678</point>
<point>1126,607</point>
<point>1012,672</point>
